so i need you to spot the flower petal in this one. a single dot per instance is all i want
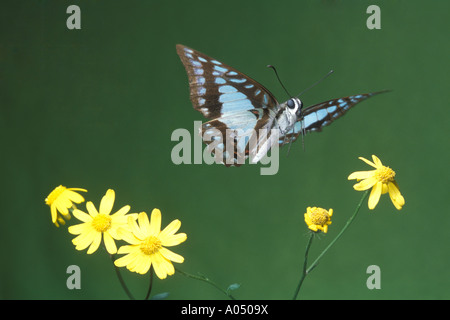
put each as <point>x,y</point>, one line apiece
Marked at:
<point>135,229</point>
<point>370,163</point>
<point>84,239</point>
<point>365,184</point>
<point>73,196</point>
<point>162,266</point>
<point>144,224</point>
<point>171,229</point>
<point>360,175</point>
<point>395,195</point>
<point>173,240</point>
<point>77,229</point>
<point>95,243</point>
<point>127,249</point>
<point>122,211</point>
<point>155,223</point>
<point>109,243</point>
<point>375,195</point>
<point>54,213</point>
<point>376,161</point>
<point>169,255</point>
<point>127,236</point>
<point>127,259</point>
<point>82,216</point>
<point>107,202</point>
<point>91,209</point>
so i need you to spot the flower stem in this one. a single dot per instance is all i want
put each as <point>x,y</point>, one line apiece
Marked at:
<point>316,262</point>
<point>150,285</point>
<point>207,280</point>
<point>305,264</point>
<point>122,282</point>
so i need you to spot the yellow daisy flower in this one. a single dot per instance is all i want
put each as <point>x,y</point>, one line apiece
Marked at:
<point>381,180</point>
<point>61,200</point>
<point>147,243</point>
<point>98,223</point>
<point>318,219</point>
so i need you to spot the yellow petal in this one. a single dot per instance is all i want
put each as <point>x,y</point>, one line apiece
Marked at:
<point>160,265</point>
<point>107,202</point>
<point>135,229</point>
<point>360,175</point>
<point>395,195</point>
<point>155,224</point>
<point>365,184</point>
<point>171,229</point>
<point>54,213</point>
<point>142,265</point>
<point>77,229</point>
<point>73,196</point>
<point>375,195</point>
<point>122,211</point>
<point>173,240</point>
<point>91,209</point>
<point>370,163</point>
<point>96,243</point>
<point>144,224</point>
<point>109,243</point>
<point>82,216</point>
<point>126,259</point>
<point>376,161</point>
<point>169,255</point>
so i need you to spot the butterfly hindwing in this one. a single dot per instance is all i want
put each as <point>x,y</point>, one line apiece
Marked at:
<point>323,114</point>
<point>218,89</point>
<point>231,134</point>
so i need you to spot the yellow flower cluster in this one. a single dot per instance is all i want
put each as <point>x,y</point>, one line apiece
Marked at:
<point>146,241</point>
<point>381,180</point>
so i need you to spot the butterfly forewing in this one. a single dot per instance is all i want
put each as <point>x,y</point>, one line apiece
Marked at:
<point>323,114</point>
<point>218,89</point>
<point>236,104</point>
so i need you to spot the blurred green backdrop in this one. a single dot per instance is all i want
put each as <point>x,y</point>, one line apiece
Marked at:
<point>95,108</point>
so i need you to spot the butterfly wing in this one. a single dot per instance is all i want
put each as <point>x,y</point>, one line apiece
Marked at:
<point>323,114</point>
<point>234,102</point>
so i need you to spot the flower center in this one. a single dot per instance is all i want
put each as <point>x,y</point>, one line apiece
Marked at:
<point>54,195</point>
<point>101,222</point>
<point>384,174</point>
<point>319,216</point>
<point>150,245</point>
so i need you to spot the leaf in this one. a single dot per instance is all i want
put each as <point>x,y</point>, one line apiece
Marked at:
<point>233,286</point>
<point>160,296</point>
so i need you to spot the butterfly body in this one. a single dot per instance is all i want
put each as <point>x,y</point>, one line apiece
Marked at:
<point>245,119</point>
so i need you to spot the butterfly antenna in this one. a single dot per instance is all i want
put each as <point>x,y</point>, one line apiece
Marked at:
<point>276,73</point>
<point>317,82</point>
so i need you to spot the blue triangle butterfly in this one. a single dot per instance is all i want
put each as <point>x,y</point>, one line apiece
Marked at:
<point>235,104</point>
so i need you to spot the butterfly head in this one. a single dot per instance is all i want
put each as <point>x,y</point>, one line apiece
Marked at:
<point>294,107</point>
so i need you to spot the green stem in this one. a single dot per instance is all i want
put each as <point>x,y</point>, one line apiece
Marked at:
<point>207,280</point>
<point>316,262</point>
<point>119,276</point>
<point>150,285</point>
<point>305,264</point>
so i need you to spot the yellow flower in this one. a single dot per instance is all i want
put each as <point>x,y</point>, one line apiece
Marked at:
<point>98,223</point>
<point>147,243</point>
<point>381,180</point>
<point>61,200</point>
<point>318,219</point>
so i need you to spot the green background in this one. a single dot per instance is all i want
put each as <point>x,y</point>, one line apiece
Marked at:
<point>95,108</point>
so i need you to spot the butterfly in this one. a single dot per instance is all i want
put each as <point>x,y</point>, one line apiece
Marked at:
<point>245,119</point>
